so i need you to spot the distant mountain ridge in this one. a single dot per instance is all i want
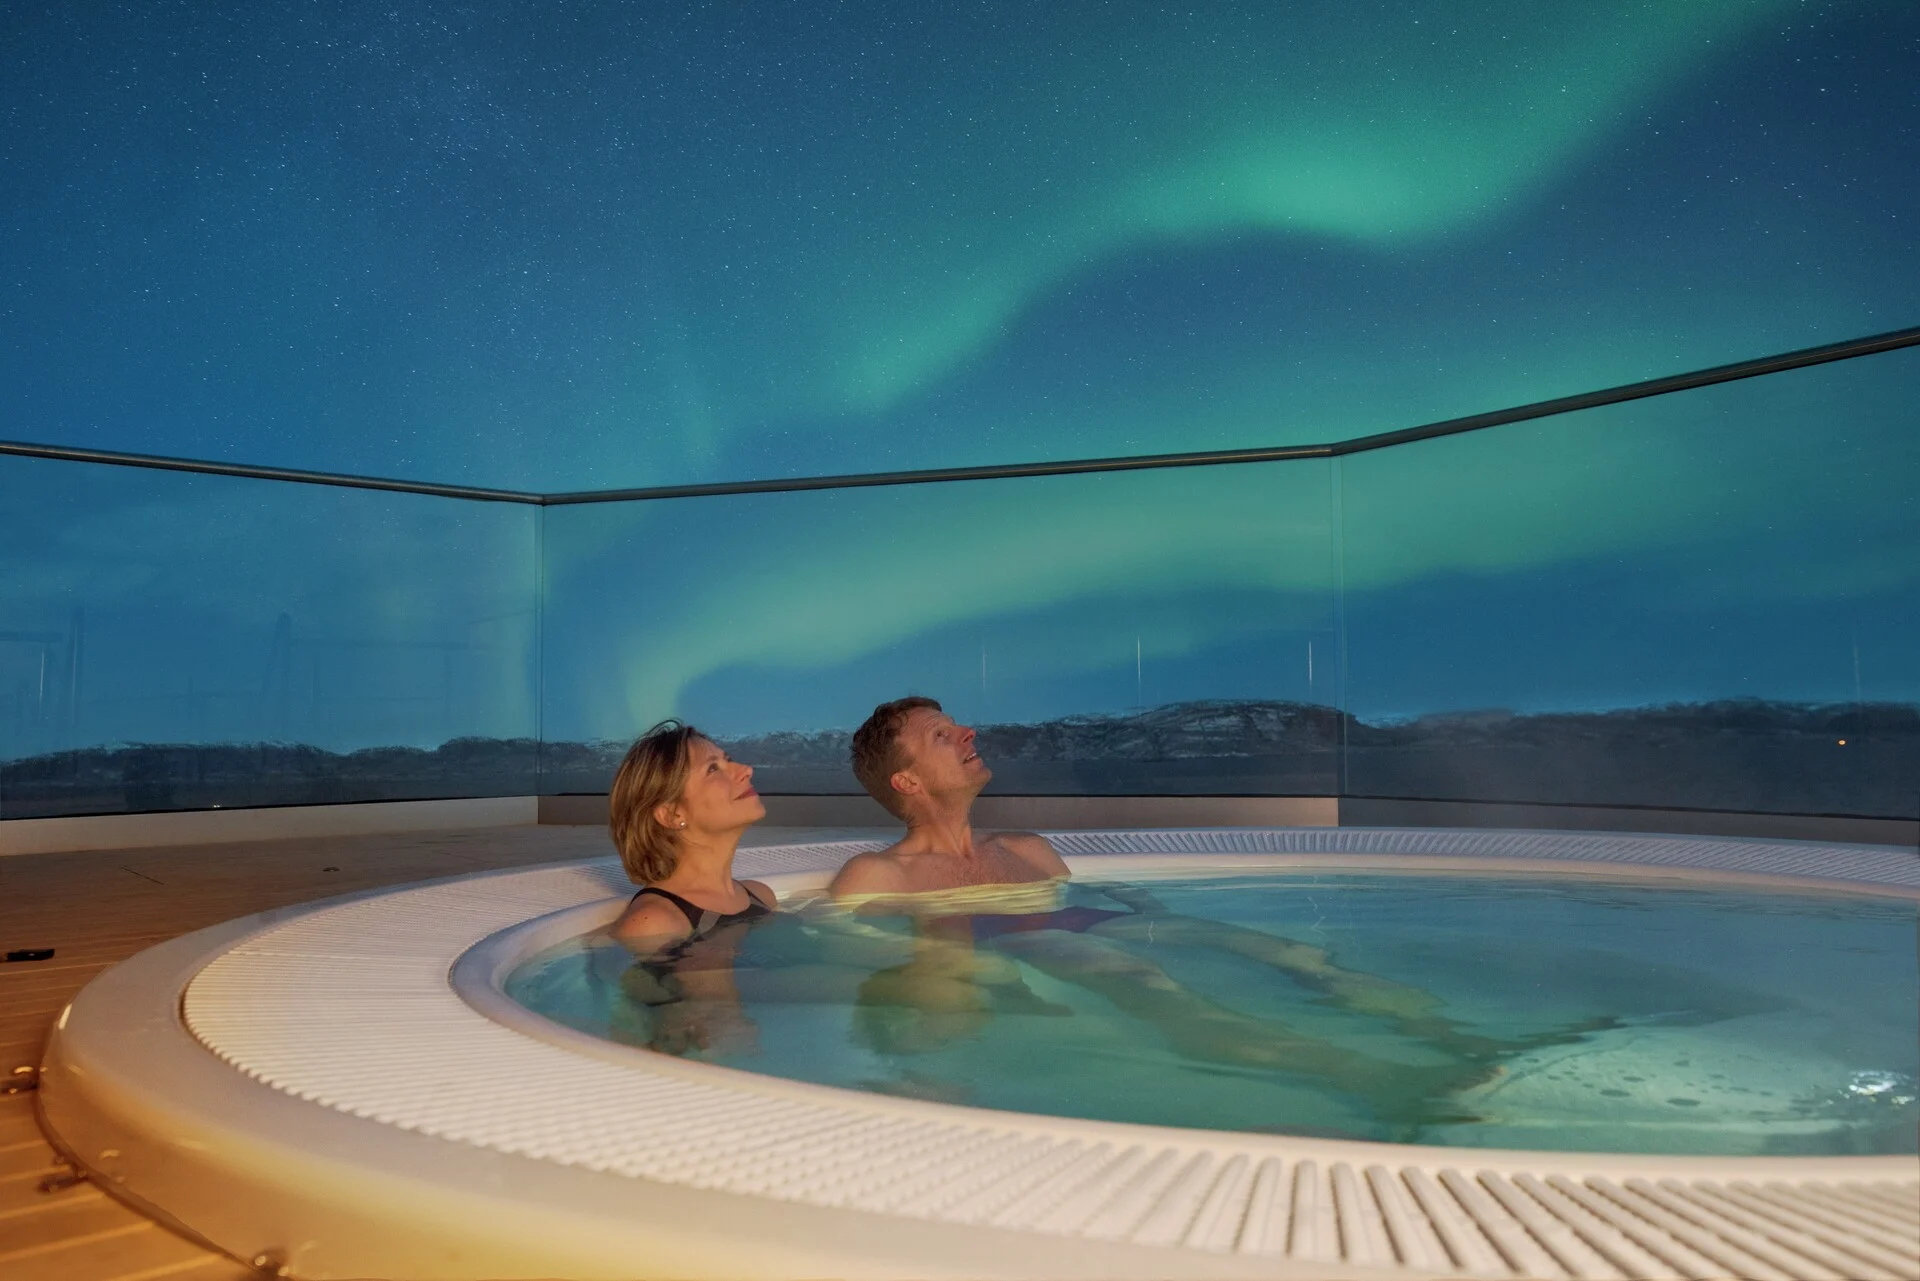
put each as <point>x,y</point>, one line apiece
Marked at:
<point>1174,731</point>
<point>1730,753</point>
<point>1228,727</point>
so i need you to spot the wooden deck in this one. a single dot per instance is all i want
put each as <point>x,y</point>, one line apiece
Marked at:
<point>95,909</point>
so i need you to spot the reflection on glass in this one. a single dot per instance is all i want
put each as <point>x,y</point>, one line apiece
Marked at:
<point>1146,632</point>
<point>173,641</point>
<point>1707,600</point>
<point>1703,600</point>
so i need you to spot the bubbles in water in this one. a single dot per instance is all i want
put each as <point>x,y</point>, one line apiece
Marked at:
<point>1895,1089</point>
<point>1864,1098</point>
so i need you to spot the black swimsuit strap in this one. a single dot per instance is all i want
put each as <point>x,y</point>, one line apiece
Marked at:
<point>701,919</point>
<point>688,910</point>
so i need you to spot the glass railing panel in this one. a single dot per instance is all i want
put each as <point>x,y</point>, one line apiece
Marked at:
<point>1707,600</point>
<point>1132,632</point>
<point>172,641</point>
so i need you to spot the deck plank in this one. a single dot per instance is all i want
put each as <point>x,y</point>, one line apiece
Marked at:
<point>27,1201</point>
<point>17,1124</point>
<point>62,1216</point>
<point>132,1250</point>
<point>27,1163</point>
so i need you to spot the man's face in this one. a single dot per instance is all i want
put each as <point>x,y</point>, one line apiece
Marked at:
<point>940,753</point>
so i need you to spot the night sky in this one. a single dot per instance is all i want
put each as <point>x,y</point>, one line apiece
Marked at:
<point>573,245</point>
<point>566,246</point>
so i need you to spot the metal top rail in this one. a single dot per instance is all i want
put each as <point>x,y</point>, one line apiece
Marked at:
<point>1780,363</point>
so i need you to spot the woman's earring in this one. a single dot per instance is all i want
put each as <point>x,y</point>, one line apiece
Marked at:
<point>683,822</point>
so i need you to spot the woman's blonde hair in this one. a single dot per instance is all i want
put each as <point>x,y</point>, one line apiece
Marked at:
<point>653,773</point>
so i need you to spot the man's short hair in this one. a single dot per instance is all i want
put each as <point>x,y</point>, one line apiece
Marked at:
<point>877,754</point>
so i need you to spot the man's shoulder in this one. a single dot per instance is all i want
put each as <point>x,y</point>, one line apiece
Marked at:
<point>1033,848</point>
<point>872,872</point>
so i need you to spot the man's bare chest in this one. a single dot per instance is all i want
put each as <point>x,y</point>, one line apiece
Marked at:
<point>990,864</point>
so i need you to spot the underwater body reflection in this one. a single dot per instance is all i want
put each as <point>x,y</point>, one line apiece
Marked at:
<point>1557,1015</point>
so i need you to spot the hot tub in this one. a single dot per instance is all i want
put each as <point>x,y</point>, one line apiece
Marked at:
<point>345,1090</point>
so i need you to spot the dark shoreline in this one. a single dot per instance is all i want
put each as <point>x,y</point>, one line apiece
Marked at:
<point>1756,755</point>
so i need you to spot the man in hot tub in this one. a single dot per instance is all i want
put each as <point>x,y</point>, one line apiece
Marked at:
<point>1004,887</point>
<point>923,769</point>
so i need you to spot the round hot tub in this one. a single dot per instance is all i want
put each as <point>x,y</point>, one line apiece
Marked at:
<point>348,1089</point>
<point>1460,1009</point>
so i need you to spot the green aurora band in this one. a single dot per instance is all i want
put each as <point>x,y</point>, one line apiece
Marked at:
<point>800,581</point>
<point>1357,128</point>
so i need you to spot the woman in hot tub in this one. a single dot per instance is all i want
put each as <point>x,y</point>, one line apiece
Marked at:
<point>678,810</point>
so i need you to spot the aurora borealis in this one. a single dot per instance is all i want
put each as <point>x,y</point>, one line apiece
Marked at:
<point>586,245</point>
<point>1700,545</point>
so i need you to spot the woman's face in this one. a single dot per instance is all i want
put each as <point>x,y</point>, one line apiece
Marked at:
<point>719,796</point>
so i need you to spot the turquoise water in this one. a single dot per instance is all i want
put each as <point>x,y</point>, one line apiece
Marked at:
<point>1525,1013</point>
